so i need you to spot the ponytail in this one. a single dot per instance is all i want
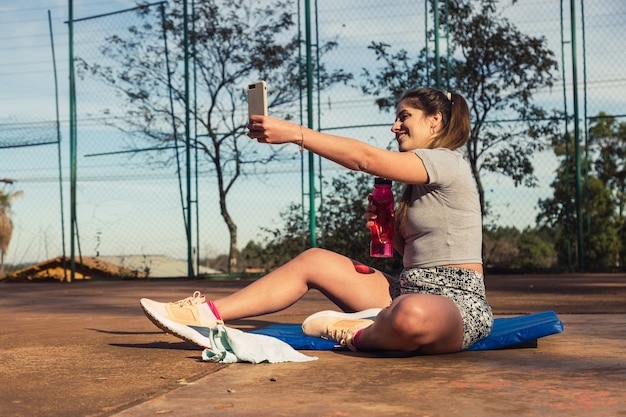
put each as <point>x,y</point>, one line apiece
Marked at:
<point>455,129</point>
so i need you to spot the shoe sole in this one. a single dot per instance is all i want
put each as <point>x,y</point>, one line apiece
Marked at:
<point>187,333</point>
<point>370,313</point>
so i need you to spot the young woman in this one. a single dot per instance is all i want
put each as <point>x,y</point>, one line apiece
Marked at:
<point>437,304</point>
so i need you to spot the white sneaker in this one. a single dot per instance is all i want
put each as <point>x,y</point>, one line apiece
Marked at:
<point>189,319</point>
<point>316,325</point>
<point>342,331</point>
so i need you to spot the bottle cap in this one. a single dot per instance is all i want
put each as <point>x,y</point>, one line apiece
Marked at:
<point>379,180</point>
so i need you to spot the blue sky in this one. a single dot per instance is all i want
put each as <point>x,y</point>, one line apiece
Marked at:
<point>26,66</point>
<point>122,208</point>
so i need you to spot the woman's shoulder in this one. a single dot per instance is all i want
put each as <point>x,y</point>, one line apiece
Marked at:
<point>441,155</point>
<point>442,151</point>
<point>444,165</point>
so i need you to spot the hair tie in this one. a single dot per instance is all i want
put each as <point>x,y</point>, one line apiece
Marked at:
<point>449,95</point>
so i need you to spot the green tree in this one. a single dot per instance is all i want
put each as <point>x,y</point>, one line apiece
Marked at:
<point>536,250</point>
<point>600,212</point>
<point>508,249</point>
<point>497,69</point>
<point>607,139</point>
<point>233,43</point>
<point>500,247</point>
<point>342,224</point>
<point>283,244</point>
<point>6,225</point>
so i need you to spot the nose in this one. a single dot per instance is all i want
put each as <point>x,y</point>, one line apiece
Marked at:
<point>395,127</point>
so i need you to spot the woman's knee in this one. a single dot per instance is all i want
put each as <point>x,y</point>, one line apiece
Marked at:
<point>419,316</point>
<point>407,318</point>
<point>317,258</point>
<point>427,320</point>
<point>317,264</point>
<point>313,253</point>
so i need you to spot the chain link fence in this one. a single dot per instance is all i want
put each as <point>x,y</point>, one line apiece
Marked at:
<point>133,199</point>
<point>30,180</point>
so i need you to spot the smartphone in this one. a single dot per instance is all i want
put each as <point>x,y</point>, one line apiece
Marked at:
<point>257,98</point>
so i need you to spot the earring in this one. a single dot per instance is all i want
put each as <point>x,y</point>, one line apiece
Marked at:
<point>432,130</point>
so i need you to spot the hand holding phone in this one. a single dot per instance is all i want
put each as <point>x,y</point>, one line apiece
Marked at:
<point>257,98</point>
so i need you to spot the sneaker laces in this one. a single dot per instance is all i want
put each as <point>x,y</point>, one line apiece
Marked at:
<point>196,298</point>
<point>341,334</point>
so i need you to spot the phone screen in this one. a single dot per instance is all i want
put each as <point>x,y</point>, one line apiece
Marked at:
<point>257,98</point>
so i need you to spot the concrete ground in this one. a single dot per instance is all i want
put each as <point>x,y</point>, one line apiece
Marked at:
<point>86,349</point>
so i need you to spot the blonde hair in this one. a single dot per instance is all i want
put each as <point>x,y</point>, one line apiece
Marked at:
<point>454,132</point>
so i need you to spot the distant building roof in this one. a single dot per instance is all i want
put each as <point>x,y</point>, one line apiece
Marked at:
<point>87,267</point>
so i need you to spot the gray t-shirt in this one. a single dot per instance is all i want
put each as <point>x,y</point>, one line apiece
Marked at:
<point>443,224</point>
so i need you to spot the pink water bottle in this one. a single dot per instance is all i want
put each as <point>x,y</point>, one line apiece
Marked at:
<point>381,245</point>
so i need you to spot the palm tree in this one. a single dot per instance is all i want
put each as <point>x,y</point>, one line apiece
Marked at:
<point>6,226</point>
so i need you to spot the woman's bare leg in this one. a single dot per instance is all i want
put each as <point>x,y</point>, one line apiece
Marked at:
<point>426,322</point>
<point>332,274</point>
<point>430,323</point>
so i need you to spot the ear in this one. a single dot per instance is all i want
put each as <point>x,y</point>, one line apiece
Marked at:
<point>435,119</point>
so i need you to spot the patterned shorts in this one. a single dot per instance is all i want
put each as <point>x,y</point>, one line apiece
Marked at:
<point>464,287</point>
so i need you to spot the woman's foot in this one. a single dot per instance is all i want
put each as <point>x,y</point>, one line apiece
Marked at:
<point>189,319</point>
<point>339,327</point>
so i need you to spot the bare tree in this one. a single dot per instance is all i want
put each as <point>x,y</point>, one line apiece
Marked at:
<point>232,43</point>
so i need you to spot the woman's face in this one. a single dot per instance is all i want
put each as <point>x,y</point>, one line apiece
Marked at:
<point>412,128</point>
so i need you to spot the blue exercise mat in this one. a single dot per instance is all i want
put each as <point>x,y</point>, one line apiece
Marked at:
<point>506,332</point>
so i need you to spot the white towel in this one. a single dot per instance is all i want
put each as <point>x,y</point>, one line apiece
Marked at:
<point>230,345</point>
